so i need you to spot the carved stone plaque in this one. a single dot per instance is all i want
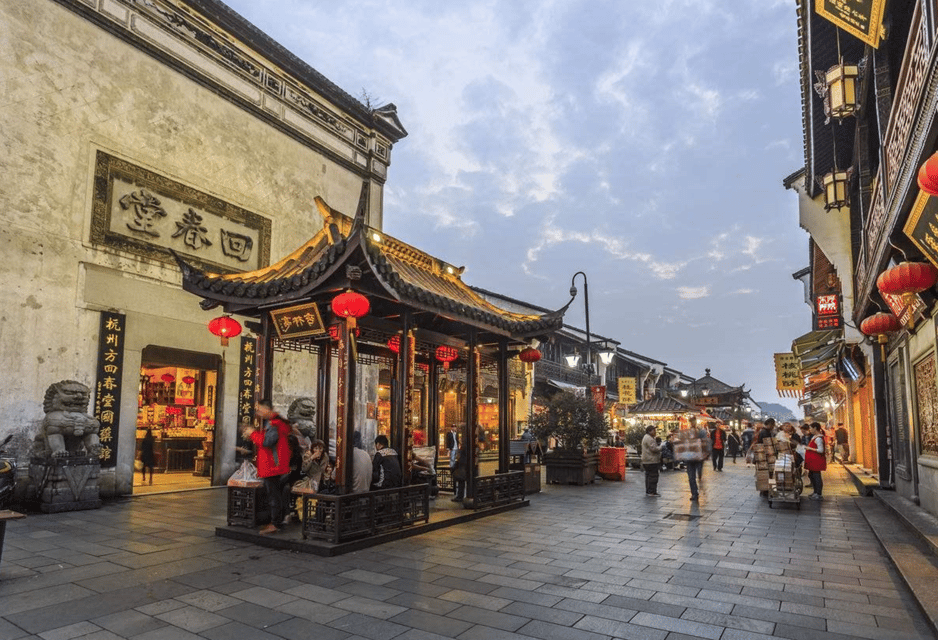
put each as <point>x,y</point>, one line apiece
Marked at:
<point>141,212</point>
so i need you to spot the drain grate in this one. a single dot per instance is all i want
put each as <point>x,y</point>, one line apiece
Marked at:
<point>681,516</point>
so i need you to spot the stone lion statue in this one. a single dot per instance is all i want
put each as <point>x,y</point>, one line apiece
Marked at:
<point>67,430</point>
<point>301,414</point>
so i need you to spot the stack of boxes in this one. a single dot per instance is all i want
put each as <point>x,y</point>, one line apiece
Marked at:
<point>760,459</point>
<point>784,467</point>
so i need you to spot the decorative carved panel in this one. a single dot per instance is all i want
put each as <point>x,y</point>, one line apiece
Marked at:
<point>926,393</point>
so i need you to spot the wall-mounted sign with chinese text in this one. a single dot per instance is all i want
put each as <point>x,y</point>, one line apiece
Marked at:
<point>827,312</point>
<point>141,212</point>
<point>107,390</point>
<point>860,18</point>
<point>922,226</point>
<point>906,309</point>
<point>247,387</point>
<point>788,379</point>
<point>299,321</point>
<point>627,386</point>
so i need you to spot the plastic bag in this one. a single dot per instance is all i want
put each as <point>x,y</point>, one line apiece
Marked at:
<point>245,476</point>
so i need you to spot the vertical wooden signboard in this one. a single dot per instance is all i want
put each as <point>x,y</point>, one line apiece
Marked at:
<point>107,392</point>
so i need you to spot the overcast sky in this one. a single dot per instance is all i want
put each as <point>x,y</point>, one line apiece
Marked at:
<point>644,143</point>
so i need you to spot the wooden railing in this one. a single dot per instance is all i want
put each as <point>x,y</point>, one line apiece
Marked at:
<point>339,518</point>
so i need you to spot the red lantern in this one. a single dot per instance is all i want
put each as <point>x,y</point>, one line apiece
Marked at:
<point>446,355</point>
<point>225,327</point>
<point>167,378</point>
<point>907,278</point>
<point>394,344</point>
<point>350,305</point>
<point>928,176</point>
<point>188,379</point>
<point>529,354</point>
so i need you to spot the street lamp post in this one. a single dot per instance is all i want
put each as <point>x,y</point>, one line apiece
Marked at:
<point>586,301</point>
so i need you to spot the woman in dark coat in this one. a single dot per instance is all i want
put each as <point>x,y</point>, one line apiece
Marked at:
<point>735,444</point>
<point>147,455</point>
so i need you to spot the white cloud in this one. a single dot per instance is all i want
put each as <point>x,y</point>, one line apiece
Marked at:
<point>742,292</point>
<point>693,293</point>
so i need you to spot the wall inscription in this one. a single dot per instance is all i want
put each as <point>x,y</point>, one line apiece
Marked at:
<point>141,212</point>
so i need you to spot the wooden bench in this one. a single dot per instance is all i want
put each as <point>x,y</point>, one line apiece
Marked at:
<point>4,516</point>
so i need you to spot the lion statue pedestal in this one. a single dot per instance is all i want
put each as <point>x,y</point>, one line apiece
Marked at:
<point>64,466</point>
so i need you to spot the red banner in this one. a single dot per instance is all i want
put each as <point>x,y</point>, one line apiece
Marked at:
<point>599,397</point>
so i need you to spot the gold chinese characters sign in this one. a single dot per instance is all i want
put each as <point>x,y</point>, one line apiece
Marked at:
<point>299,321</point>
<point>862,19</point>
<point>922,226</point>
<point>627,391</point>
<point>788,379</point>
<point>107,391</point>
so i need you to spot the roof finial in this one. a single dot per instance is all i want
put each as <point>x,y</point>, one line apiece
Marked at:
<point>707,371</point>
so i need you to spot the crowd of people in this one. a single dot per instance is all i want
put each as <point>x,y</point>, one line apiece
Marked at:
<point>814,445</point>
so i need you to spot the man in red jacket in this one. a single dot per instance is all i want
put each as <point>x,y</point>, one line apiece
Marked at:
<point>273,459</point>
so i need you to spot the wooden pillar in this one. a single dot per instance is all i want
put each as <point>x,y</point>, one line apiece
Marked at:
<point>472,414</point>
<point>323,396</point>
<point>345,406</point>
<point>433,403</point>
<point>504,416</point>
<point>409,351</point>
<point>266,367</point>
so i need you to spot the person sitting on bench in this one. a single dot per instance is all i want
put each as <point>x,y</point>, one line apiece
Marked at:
<point>385,467</point>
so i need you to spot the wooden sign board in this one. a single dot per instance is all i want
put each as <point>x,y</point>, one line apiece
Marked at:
<point>299,321</point>
<point>862,19</point>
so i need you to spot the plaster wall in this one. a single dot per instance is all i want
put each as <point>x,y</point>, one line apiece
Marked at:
<point>71,89</point>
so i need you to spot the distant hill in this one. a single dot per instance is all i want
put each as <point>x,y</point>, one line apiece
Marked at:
<point>780,412</point>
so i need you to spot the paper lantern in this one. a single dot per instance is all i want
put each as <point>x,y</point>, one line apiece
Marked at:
<point>928,175</point>
<point>188,380</point>
<point>907,278</point>
<point>880,325</point>
<point>167,378</point>
<point>446,355</point>
<point>394,344</point>
<point>350,305</point>
<point>529,354</point>
<point>225,327</point>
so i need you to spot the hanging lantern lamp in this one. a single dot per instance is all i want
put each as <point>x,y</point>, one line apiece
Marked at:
<point>167,378</point>
<point>394,344</point>
<point>836,195</point>
<point>928,175</point>
<point>350,305</point>
<point>225,327</point>
<point>188,380</point>
<point>446,355</point>
<point>841,80</point>
<point>529,355</point>
<point>880,325</point>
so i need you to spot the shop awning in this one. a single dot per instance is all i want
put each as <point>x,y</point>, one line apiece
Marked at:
<point>566,386</point>
<point>820,358</point>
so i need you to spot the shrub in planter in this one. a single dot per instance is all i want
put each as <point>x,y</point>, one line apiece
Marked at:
<point>579,429</point>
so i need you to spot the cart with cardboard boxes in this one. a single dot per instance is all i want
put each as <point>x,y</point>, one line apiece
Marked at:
<point>776,472</point>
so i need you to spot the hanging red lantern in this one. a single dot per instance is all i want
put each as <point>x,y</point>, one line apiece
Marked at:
<point>907,278</point>
<point>394,344</point>
<point>928,176</point>
<point>529,354</point>
<point>879,325</point>
<point>350,305</point>
<point>167,378</point>
<point>188,380</point>
<point>446,355</point>
<point>225,327</point>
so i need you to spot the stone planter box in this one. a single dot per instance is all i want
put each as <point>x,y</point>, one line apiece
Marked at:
<point>571,467</point>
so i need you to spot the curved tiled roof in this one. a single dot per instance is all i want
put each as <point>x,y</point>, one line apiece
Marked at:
<point>665,404</point>
<point>410,276</point>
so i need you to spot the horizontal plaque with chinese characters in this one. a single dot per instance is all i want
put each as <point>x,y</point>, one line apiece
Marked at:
<point>860,18</point>
<point>922,226</point>
<point>147,214</point>
<point>299,321</point>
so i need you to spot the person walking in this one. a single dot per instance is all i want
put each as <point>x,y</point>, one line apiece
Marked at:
<point>273,459</point>
<point>734,444</point>
<point>452,444</point>
<point>815,460</point>
<point>748,434</point>
<point>651,461</point>
<point>692,446</point>
<point>147,454</point>
<point>718,446</point>
<point>840,434</point>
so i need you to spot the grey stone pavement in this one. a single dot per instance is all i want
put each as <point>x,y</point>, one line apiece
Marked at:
<point>580,563</point>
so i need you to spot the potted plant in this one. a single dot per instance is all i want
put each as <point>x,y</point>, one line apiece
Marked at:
<point>578,428</point>
<point>633,442</point>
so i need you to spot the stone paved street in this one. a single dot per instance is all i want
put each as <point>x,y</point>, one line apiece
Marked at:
<point>580,563</point>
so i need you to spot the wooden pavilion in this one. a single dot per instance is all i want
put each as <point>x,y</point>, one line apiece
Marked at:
<point>422,320</point>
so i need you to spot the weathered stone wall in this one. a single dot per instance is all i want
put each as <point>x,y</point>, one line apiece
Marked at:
<point>72,88</point>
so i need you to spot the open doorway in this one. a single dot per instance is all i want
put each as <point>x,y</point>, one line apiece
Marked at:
<point>177,400</point>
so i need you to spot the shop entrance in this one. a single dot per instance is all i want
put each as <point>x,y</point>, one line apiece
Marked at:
<point>176,400</point>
